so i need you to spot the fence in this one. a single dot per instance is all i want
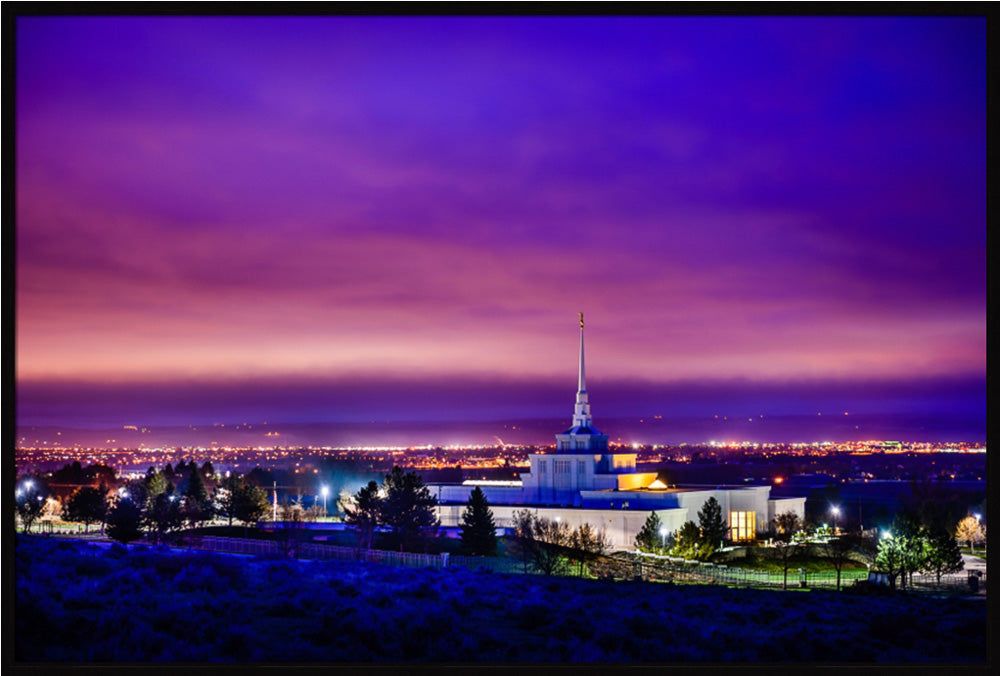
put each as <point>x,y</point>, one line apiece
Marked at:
<point>680,570</point>
<point>308,550</point>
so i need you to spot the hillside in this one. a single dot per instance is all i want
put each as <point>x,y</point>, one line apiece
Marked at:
<point>81,603</point>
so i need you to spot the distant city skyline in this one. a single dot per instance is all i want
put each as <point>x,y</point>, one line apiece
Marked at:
<point>351,218</point>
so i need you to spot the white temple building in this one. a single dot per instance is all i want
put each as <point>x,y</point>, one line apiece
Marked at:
<point>583,481</point>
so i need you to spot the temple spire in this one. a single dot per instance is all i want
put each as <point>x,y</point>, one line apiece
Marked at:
<point>581,412</point>
<point>581,437</point>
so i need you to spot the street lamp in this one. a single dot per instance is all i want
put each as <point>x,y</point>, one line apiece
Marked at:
<point>663,537</point>
<point>835,510</point>
<point>324,491</point>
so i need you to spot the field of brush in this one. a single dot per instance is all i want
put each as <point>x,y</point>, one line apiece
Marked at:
<point>82,603</point>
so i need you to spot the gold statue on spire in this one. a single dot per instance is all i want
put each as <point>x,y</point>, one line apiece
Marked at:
<point>581,320</point>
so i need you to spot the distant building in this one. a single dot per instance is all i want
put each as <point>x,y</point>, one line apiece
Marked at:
<point>585,482</point>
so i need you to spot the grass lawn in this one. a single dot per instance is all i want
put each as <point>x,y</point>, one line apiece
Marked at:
<point>809,564</point>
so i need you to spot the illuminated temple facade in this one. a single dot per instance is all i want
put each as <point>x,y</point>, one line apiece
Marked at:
<point>583,481</point>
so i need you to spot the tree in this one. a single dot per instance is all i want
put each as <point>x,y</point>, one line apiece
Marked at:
<point>524,536</point>
<point>156,483</point>
<point>912,541</point>
<point>689,544</point>
<point>364,512</point>
<point>99,474</point>
<point>138,492</point>
<point>479,532</point>
<point>786,544</point>
<point>649,538</point>
<point>163,515</point>
<point>786,523</point>
<point>314,513</point>
<point>30,501</point>
<point>969,530</point>
<point>943,554</point>
<point>713,526</point>
<point>87,505</point>
<point>124,521</point>
<point>589,544</point>
<point>197,505</point>
<point>408,508</point>
<point>250,505</point>
<point>891,557</point>
<point>839,550</point>
<point>227,495</point>
<point>786,552</point>
<point>551,539</point>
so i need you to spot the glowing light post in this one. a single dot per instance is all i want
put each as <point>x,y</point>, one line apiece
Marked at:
<point>663,537</point>
<point>835,510</point>
<point>324,491</point>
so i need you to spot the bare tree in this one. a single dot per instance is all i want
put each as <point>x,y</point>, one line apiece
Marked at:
<point>839,550</point>
<point>785,525</point>
<point>542,542</point>
<point>589,544</point>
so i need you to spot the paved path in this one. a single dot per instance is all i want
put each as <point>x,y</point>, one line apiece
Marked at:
<point>974,562</point>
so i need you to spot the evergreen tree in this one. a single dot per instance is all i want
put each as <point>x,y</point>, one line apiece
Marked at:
<point>227,496</point>
<point>408,509</point>
<point>197,505</point>
<point>943,554</point>
<point>163,515</point>
<point>649,538</point>
<point>365,514</point>
<point>689,543</point>
<point>713,526</point>
<point>479,537</point>
<point>156,483</point>
<point>137,491</point>
<point>251,504</point>
<point>124,521</point>
<point>87,505</point>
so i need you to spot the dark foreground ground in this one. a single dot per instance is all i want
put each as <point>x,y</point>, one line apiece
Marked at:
<point>80,603</point>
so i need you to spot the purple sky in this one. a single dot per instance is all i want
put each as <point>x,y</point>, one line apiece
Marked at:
<point>315,207</point>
